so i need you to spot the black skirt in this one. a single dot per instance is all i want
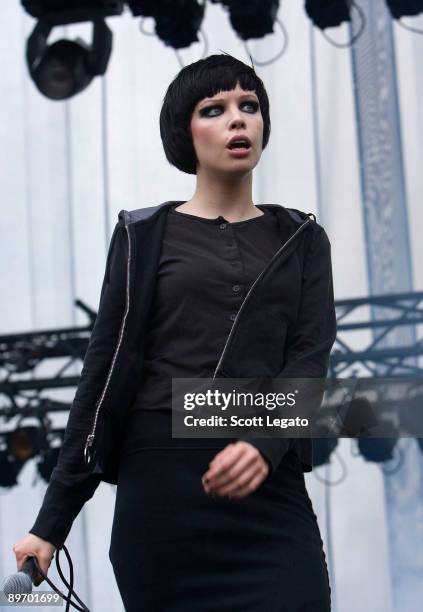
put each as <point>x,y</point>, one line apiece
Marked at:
<point>176,549</point>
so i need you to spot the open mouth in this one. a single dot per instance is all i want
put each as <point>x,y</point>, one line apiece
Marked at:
<point>239,145</point>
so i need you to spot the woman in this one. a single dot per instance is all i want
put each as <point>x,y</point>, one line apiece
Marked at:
<point>211,287</point>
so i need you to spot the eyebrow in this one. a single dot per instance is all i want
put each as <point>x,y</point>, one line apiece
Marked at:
<point>241,97</point>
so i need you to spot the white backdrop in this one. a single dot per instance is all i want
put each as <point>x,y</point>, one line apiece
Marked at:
<point>67,168</point>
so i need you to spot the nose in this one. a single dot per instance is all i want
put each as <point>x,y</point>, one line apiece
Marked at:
<point>237,119</point>
<point>237,122</point>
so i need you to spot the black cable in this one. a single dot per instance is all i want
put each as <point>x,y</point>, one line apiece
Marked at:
<point>69,584</point>
<point>356,36</point>
<point>71,592</point>
<point>285,40</point>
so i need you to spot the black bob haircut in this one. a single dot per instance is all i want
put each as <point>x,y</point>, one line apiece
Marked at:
<point>203,79</point>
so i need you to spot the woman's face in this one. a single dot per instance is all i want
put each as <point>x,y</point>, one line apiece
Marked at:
<point>216,121</point>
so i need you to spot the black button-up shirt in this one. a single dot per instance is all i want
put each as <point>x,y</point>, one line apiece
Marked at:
<point>205,269</point>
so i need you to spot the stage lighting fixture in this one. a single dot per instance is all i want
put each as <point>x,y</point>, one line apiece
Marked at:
<point>9,469</point>
<point>357,418</point>
<point>328,13</point>
<point>144,8</point>
<point>25,442</point>
<point>177,21</point>
<point>66,67</point>
<point>377,450</point>
<point>404,8</point>
<point>62,12</point>
<point>252,19</point>
<point>322,450</point>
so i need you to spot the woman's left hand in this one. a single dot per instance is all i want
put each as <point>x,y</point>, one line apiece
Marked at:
<point>236,471</point>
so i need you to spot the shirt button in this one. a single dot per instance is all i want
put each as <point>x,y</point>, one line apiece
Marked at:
<point>232,317</point>
<point>222,226</point>
<point>236,288</point>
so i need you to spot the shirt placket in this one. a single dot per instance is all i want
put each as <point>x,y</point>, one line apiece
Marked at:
<point>233,256</point>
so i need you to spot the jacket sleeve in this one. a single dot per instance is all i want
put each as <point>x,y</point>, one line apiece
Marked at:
<point>71,483</point>
<point>309,340</point>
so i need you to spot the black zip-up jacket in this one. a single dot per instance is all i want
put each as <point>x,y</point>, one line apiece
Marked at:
<point>296,346</point>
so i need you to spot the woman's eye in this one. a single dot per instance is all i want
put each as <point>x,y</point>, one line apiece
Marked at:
<point>207,112</point>
<point>253,105</point>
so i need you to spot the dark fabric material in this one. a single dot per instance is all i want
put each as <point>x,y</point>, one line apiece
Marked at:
<point>109,379</point>
<point>175,548</point>
<point>153,429</point>
<point>205,269</point>
<point>308,343</point>
<point>61,505</point>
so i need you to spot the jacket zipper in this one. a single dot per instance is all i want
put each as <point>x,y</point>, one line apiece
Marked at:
<point>91,436</point>
<point>248,295</point>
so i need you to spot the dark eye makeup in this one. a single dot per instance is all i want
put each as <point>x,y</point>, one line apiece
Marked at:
<point>205,111</point>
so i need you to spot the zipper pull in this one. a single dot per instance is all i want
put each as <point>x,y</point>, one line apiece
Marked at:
<point>89,443</point>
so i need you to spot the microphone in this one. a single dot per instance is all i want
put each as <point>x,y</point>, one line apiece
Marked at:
<point>20,582</point>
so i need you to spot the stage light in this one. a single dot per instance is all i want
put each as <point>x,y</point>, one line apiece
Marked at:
<point>404,8</point>
<point>357,418</point>
<point>72,11</point>
<point>67,67</point>
<point>252,19</point>
<point>377,450</point>
<point>330,14</point>
<point>145,8</point>
<point>177,21</point>
<point>9,469</point>
<point>25,442</point>
<point>322,450</point>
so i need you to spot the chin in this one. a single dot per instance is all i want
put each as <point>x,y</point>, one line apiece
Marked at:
<point>240,168</point>
<point>231,166</point>
<point>234,165</point>
<point>242,165</point>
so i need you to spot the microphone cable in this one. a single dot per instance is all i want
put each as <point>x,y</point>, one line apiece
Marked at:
<point>69,585</point>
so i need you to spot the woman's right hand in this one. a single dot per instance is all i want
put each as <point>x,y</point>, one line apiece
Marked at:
<point>33,546</point>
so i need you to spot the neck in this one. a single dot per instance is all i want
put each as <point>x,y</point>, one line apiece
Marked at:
<point>230,198</point>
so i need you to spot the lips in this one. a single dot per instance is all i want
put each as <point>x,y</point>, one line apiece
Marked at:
<point>243,142</point>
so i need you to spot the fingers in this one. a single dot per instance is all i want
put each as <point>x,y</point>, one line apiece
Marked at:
<point>249,486</point>
<point>245,484</point>
<point>236,471</point>
<point>220,477</point>
<point>44,561</point>
<point>226,466</point>
<point>31,546</point>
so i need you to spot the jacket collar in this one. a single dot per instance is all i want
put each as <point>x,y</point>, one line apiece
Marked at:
<point>140,215</point>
